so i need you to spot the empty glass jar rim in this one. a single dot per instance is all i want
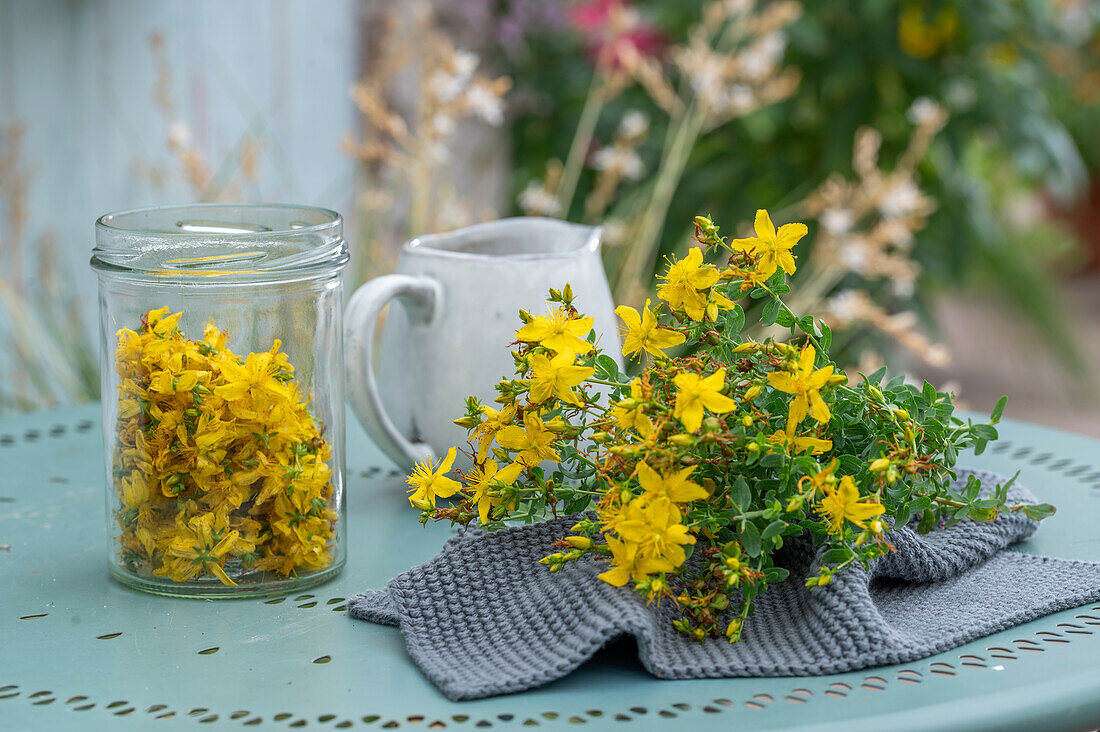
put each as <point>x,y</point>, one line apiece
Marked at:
<point>215,242</point>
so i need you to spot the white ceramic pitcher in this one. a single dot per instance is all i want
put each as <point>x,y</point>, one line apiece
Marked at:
<point>459,295</point>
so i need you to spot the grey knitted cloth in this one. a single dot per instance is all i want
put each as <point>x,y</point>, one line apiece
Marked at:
<point>484,618</point>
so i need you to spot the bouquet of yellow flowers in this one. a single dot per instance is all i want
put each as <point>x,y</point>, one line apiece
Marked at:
<point>687,478</point>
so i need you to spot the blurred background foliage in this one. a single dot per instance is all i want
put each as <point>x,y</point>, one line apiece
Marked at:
<point>1019,80</point>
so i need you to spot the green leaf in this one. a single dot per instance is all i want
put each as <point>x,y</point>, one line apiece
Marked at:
<point>984,515</point>
<point>1039,511</point>
<point>985,431</point>
<point>927,521</point>
<point>740,493</point>
<point>807,324</point>
<point>837,555</point>
<point>784,318</point>
<point>735,321</point>
<point>770,313</point>
<point>772,460</point>
<point>750,539</point>
<point>577,503</point>
<point>998,410</point>
<point>608,366</point>
<point>776,574</point>
<point>775,528</point>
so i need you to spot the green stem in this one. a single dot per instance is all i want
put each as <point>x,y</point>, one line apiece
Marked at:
<point>582,140</point>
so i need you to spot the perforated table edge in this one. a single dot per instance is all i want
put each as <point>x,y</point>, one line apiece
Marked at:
<point>82,652</point>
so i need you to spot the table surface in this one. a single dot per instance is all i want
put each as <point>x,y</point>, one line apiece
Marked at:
<point>80,651</point>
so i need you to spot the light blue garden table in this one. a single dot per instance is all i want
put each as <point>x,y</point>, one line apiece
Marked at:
<point>79,651</point>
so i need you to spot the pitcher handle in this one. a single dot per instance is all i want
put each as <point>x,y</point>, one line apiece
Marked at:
<point>422,298</point>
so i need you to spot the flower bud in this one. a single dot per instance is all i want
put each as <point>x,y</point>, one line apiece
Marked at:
<point>875,526</point>
<point>900,413</point>
<point>628,403</point>
<point>752,392</point>
<point>468,422</point>
<point>837,379</point>
<point>600,437</point>
<point>711,424</point>
<point>682,440</point>
<point>752,447</point>
<point>733,630</point>
<point>422,504</point>
<point>746,421</point>
<point>579,542</point>
<point>556,425</point>
<point>525,316</point>
<point>874,392</point>
<point>733,563</point>
<point>879,465</point>
<point>744,347</point>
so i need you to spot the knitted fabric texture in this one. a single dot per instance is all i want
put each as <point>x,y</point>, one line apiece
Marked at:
<point>484,618</point>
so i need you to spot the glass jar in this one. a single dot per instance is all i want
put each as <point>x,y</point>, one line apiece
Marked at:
<point>223,399</point>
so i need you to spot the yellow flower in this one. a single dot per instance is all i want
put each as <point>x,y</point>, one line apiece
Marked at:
<point>695,393</point>
<point>429,481</point>
<point>494,422</point>
<point>627,565</point>
<point>556,378</point>
<point>532,441</point>
<point>675,487</point>
<point>822,480</point>
<point>801,444</point>
<point>805,384</point>
<point>558,331</point>
<point>658,533</point>
<point>685,281</point>
<point>257,373</point>
<point>643,334</point>
<point>772,249</point>
<point>842,503</point>
<point>482,478</point>
<point>198,548</point>
<point>630,414</point>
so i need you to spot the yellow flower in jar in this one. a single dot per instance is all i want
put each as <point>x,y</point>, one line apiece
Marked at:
<point>215,465</point>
